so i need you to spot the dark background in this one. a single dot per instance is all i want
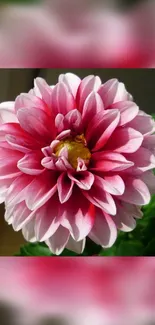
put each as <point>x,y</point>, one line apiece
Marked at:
<point>139,82</point>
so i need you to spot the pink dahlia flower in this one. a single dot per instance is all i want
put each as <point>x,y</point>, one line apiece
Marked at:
<point>75,161</point>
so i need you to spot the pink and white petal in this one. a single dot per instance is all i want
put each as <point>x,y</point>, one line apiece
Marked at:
<point>143,123</point>
<point>7,112</point>
<point>76,246</point>
<point>136,192</point>
<point>47,219</point>
<point>128,111</point>
<point>97,196</point>
<point>113,91</point>
<point>48,151</point>
<point>63,152</point>
<point>62,100</point>
<point>71,81</point>
<point>62,164</point>
<point>92,106</point>
<point>4,186</point>
<point>149,179</point>
<point>28,231</point>
<point>81,166</point>
<point>108,92</point>
<point>125,140</point>
<point>143,159</point>
<point>63,135</point>
<point>17,190</point>
<point>73,120</point>
<point>30,101</point>
<point>114,184</point>
<point>18,138</point>
<point>5,145</point>
<point>41,189</point>
<point>49,163</point>
<point>43,90</point>
<point>8,216</point>
<point>104,231</point>
<point>83,179</point>
<point>124,220</point>
<point>87,85</point>
<point>21,216</point>
<point>111,120</point>
<point>37,123</point>
<point>132,209</point>
<point>65,187</point>
<point>59,122</point>
<point>149,142</point>
<point>31,163</point>
<point>8,163</point>
<point>104,122</point>
<point>109,161</point>
<point>58,241</point>
<point>78,216</point>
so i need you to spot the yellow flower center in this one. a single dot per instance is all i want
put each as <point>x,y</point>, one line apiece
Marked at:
<point>76,149</point>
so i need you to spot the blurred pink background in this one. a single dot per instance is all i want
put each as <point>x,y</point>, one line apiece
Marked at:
<point>72,34</point>
<point>77,291</point>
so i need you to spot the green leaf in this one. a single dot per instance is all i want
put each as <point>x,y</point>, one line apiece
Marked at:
<point>36,249</point>
<point>150,248</point>
<point>131,248</point>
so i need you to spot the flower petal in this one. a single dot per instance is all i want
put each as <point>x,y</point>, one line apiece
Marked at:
<point>87,85</point>
<point>47,219</point>
<point>43,90</point>
<point>83,179</point>
<point>65,187</point>
<point>4,187</point>
<point>37,123</point>
<point>113,91</point>
<point>124,220</point>
<point>28,231</point>
<point>41,190</point>
<point>7,113</point>
<point>143,123</point>
<point>97,196</point>
<point>62,100</point>
<point>125,140</point>
<point>128,111</point>
<point>78,216</point>
<point>17,190</point>
<point>31,163</point>
<point>73,120</point>
<point>109,161</point>
<point>93,105</point>
<point>76,246</point>
<point>136,192</point>
<point>110,123</point>
<point>8,163</point>
<point>30,101</point>
<point>18,138</point>
<point>114,184</point>
<point>21,216</point>
<point>71,81</point>
<point>143,159</point>
<point>58,241</point>
<point>104,231</point>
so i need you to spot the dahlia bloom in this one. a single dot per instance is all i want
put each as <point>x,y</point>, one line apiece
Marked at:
<point>75,161</point>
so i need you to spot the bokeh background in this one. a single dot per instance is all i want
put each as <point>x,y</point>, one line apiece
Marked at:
<point>77,291</point>
<point>75,34</point>
<point>139,82</point>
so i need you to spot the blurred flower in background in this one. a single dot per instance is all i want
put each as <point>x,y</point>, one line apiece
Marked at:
<point>75,34</point>
<point>110,291</point>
